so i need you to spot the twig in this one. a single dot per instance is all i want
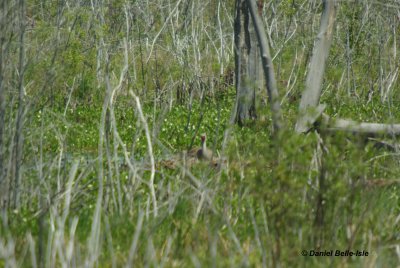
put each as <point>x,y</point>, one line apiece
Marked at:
<point>150,149</point>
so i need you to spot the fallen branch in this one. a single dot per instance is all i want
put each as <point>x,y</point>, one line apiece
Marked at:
<point>338,124</point>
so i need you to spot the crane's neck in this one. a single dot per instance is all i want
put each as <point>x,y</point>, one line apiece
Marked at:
<point>203,144</point>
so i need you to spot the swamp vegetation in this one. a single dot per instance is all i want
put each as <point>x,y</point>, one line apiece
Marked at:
<point>96,96</point>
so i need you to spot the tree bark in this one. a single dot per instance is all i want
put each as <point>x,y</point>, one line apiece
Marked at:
<point>309,110</point>
<point>2,91</point>
<point>247,62</point>
<point>8,14</point>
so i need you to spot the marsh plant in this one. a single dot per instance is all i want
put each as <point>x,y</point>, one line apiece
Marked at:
<point>101,103</point>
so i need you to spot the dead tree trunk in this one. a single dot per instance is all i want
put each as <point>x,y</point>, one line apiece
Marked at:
<point>309,109</point>
<point>3,47</point>
<point>267,67</point>
<point>247,62</point>
<point>19,138</point>
<point>8,30</point>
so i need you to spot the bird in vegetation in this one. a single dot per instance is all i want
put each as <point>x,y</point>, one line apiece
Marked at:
<point>193,156</point>
<point>200,153</point>
<point>204,153</point>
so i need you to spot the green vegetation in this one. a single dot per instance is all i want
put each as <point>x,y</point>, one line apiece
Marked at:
<point>264,204</point>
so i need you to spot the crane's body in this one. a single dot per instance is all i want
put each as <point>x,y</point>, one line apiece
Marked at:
<point>204,153</point>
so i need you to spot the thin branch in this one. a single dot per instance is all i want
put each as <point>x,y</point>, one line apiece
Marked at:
<point>150,149</point>
<point>162,28</point>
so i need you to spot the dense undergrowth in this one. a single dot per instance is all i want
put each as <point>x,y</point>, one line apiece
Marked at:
<point>83,202</point>
<point>261,208</point>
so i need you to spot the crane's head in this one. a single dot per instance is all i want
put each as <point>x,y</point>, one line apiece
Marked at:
<point>203,137</point>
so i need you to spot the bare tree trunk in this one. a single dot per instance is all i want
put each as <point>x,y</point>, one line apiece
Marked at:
<point>3,44</point>
<point>246,62</point>
<point>268,67</point>
<point>310,109</point>
<point>18,145</point>
<point>8,30</point>
<point>255,65</point>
